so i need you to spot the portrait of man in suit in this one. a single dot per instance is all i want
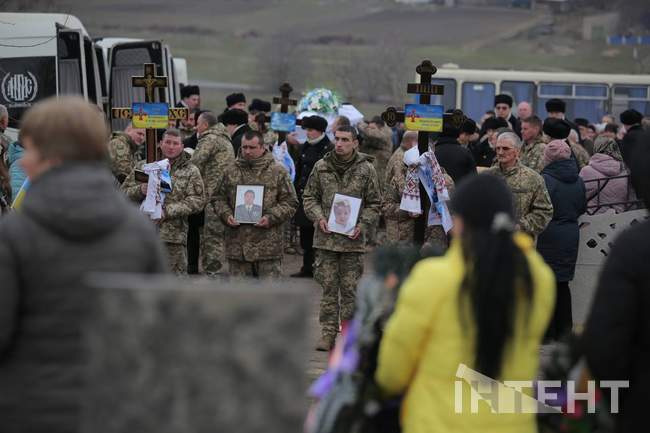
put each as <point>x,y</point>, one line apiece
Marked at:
<point>249,212</point>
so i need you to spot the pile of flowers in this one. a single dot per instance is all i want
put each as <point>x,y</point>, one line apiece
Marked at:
<point>321,101</point>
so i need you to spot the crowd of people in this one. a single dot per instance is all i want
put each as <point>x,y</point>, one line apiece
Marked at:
<point>500,198</point>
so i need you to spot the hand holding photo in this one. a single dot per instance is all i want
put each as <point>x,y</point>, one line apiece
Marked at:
<point>248,204</point>
<point>344,214</point>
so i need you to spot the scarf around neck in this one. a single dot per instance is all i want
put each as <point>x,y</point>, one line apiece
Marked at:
<point>342,166</point>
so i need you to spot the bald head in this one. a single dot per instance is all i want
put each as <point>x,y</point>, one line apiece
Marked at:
<point>409,140</point>
<point>524,110</point>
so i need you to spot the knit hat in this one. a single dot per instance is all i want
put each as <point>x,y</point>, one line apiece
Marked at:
<point>479,198</point>
<point>235,98</point>
<point>503,99</point>
<point>234,117</point>
<point>314,122</point>
<point>557,129</point>
<point>555,105</point>
<point>556,150</point>
<point>631,117</point>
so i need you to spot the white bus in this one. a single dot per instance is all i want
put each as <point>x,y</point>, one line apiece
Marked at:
<point>43,55</point>
<point>586,95</point>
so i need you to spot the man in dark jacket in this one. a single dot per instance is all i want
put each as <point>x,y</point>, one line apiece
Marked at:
<point>312,151</point>
<point>616,340</point>
<point>503,110</point>
<point>457,161</point>
<point>631,120</point>
<point>558,243</point>
<point>483,150</point>
<point>73,222</point>
<point>236,123</point>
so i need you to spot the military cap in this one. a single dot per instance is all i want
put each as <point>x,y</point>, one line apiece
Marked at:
<point>631,117</point>
<point>235,98</point>
<point>557,129</point>
<point>503,99</point>
<point>314,122</point>
<point>555,105</point>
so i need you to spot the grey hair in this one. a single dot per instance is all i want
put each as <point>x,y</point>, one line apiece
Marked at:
<point>3,112</point>
<point>512,137</point>
<point>573,136</point>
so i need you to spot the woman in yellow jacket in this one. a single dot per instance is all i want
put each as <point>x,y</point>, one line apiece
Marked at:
<point>477,313</point>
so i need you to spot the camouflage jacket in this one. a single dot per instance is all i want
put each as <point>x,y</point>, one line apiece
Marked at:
<point>581,154</point>
<point>187,197</point>
<point>124,155</point>
<point>359,180</point>
<point>399,225</point>
<point>270,136</point>
<point>186,132</point>
<point>532,203</point>
<point>532,154</point>
<point>379,144</point>
<point>213,154</point>
<point>247,242</point>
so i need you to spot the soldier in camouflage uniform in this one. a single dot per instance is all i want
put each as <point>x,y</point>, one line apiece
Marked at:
<point>377,141</point>
<point>532,149</point>
<point>257,111</point>
<point>256,249</point>
<point>187,197</point>
<point>213,154</point>
<point>124,151</point>
<point>400,225</point>
<point>339,258</point>
<point>532,203</point>
<point>5,141</point>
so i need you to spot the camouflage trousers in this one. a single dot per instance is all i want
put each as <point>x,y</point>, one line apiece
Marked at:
<point>212,242</point>
<point>338,274</point>
<point>259,269</point>
<point>436,238</point>
<point>177,256</point>
<point>403,231</point>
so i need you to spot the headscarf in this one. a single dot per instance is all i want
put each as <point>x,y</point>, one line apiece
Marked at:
<point>556,150</point>
<point>608,146</point>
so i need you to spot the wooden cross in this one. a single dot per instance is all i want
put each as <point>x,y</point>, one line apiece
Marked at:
<point>150,81</point>
<point>285,102</point>
<point>392,116</point>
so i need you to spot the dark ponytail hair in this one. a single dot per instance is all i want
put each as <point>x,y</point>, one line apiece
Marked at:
<point>497,272</point>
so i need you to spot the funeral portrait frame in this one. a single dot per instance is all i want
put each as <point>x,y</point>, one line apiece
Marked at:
<point>243,215</point>
<point>347,208</point>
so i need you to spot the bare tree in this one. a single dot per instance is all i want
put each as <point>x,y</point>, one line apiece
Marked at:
<point>282,59</point>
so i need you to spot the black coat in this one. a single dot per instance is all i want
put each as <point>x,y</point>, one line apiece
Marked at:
<point>482,152</point>
<point>310,154</point>
<point>515,123</point>
<point>616,339</point>
<point>237,136</point>
<point>454,158</point>
<point>73,222</point>
<point>558,244</point>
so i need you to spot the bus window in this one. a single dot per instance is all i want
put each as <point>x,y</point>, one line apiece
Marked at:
<point>448,100</point>
<point>636,97</point>
<point>590,102</point>
<point>477,99</point>
<point>520,91</point>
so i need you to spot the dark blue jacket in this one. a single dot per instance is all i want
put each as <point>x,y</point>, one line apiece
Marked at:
<point>558,244</point>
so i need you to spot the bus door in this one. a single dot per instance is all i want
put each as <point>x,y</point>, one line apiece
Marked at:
<point>127,60</point>
<point>71,62</point>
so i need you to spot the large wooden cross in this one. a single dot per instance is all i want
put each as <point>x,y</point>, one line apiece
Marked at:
<point>285,102</point>
<point>392,116</point>
<point>150,81</point>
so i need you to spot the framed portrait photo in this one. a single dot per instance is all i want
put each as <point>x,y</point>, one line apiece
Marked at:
<point>344,214</point>
<point>249,204</point>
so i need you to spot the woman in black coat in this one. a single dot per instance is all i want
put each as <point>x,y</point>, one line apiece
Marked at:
<point>558,244</point>
<point>73,221</point>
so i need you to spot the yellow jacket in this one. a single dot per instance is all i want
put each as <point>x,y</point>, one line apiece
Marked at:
<point>425,343</point>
